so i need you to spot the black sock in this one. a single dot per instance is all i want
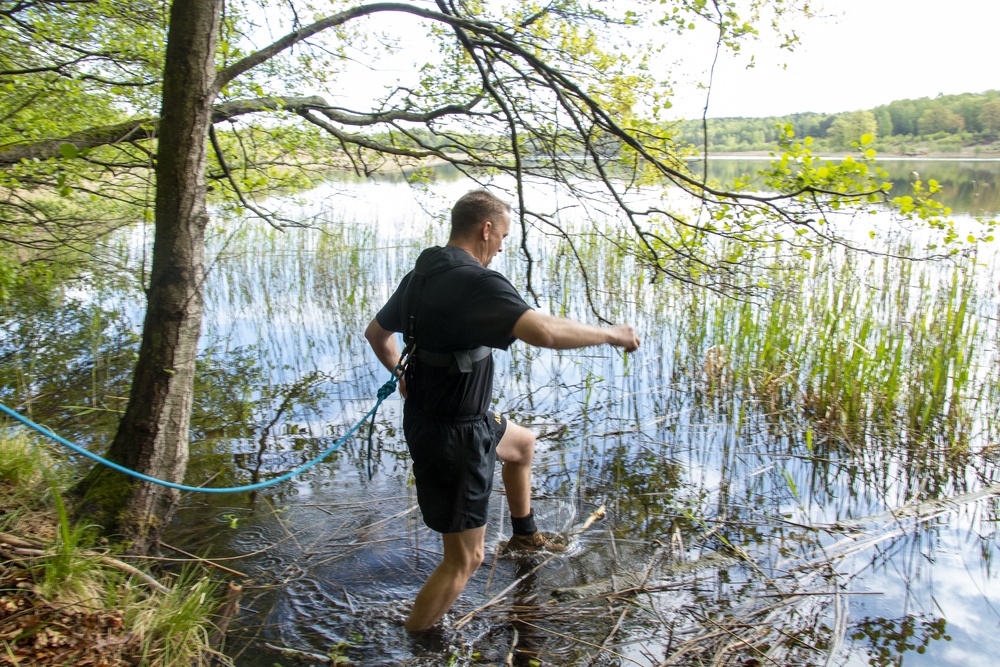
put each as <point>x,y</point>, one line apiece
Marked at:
<point>524,525</point>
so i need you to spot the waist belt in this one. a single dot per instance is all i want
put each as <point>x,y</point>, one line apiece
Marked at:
<point>459,361</point>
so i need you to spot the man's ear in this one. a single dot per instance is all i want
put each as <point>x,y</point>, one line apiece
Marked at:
<point>487,226</point>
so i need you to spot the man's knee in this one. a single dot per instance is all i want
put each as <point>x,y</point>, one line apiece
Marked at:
<point>467,562</point>
<point>465,557</point>
<point>517,446</point>
<point>476,558</point>
<point>529,446</point>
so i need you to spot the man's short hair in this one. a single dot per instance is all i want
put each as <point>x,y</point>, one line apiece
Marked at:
<point>472,209</point>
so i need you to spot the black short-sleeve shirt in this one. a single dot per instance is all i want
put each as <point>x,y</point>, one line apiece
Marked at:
<point>458,305</point>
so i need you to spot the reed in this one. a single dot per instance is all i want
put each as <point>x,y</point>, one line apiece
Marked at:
<point>166,627</point>
<point>858,344</point>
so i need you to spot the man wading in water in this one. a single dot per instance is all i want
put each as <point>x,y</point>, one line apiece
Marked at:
<point>456,310</point>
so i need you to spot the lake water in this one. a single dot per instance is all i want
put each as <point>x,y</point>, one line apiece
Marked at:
<point>805,477</point>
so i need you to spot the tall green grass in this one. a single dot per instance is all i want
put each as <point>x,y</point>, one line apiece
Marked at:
<point>174,626</point>
<point>847,343</point>
<point>169,629</point>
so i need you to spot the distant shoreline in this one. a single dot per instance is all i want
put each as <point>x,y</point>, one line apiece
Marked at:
<point>985,156</point>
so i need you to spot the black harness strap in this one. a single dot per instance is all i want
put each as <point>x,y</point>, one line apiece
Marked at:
<point>458,361</point>
<point>410,306</point>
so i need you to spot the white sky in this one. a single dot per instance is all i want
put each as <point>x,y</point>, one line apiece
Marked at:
<point>858,55</point>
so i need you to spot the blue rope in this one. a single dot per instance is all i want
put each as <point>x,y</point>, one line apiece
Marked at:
<point>383,393</point>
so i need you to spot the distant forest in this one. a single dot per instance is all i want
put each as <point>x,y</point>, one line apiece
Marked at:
<point>967,123</point>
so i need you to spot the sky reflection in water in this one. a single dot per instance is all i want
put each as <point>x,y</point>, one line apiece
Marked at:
<point>695,452</point>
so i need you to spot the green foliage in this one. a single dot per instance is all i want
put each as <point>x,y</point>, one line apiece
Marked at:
<point>849,128</point>
<point>21,462</point>
<point>890,638</point>
<point>66,573</point>
<point>65,68</point>
<point>175,625</point>
<point>989,117</point>
<point>171,628</point>
<point>970,118</point>
<point>70,572</point>
<point>940,119</point>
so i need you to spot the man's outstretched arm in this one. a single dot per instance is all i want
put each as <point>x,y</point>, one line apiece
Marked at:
<point>560,333</point>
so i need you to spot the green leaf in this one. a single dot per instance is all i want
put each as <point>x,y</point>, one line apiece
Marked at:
<point>68,151</point>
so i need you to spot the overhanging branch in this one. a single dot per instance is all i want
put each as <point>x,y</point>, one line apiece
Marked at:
<point>291,39</point>
<point>143,129</point>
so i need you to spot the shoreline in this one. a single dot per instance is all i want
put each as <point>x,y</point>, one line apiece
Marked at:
<point>985,156</point>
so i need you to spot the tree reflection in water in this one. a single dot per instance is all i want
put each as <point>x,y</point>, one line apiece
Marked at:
<point>807,472</point>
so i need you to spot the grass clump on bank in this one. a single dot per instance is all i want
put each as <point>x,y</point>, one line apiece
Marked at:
<point>65,601</point>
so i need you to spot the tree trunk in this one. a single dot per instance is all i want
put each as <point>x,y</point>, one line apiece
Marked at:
<point>152,437</point>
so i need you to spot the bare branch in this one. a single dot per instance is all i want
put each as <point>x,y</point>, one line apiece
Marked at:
<point>366,142</point>
<point>263,215</point>
<point>263,55</point>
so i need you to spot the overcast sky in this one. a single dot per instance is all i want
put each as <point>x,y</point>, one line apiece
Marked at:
<point>860,54</point>
<point>857,54</point>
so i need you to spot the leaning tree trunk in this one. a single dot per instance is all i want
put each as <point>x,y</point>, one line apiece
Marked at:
<point>152,437</point>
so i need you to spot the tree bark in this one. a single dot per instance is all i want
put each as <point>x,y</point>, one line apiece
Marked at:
<point>152,437</point>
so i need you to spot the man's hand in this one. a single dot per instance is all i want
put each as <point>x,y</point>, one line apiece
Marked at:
<point>624,336</point>
<point>560,333</point>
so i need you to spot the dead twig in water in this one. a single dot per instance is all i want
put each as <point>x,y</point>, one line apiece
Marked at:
<point>227,611</point>
<point>654,559</point>
<point>204,561</point>
<point>309,656</point>
<point>288,533</point>
<point>360,504</point>
<point>607,640</point>
<point>354,546</point>
<point>510,654</point>
<point>502,594</point>
<point>584,642</point>
<point>597,514</point>
<point>372,526</point>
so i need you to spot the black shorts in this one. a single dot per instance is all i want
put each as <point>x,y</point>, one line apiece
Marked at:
<point>453,463</point>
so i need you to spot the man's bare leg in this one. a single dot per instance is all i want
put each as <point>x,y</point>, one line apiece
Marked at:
<point>463,553</point>
<point>517,450</point>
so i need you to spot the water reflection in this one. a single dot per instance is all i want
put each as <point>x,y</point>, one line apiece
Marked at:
<point>967,186</point>
<point>785,479</point>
